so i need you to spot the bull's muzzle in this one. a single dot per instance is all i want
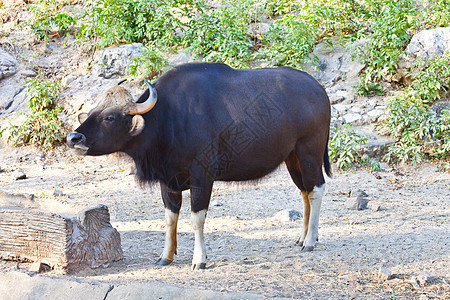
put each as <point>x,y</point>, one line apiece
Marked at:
<point>77,141</point>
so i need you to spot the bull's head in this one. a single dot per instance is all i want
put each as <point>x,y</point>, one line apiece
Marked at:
<point>113,123</point>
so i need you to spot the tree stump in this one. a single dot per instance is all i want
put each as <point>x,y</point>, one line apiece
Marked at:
<point>69,243</point>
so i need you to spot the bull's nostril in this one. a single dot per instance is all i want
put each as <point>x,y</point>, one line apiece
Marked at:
<point>75,138</point>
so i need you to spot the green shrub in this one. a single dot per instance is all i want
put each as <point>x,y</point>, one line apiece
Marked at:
<point>344,146</point>
<point>114,21</point>
<point>435,14</point>
<point>334,17</point>
<point>289,41</point>
<point>221,34</point>
<point>410,119</point>
<point>391,22</point>
<point>150,63</point>
<point>48,19</point>
<point>42,126</point>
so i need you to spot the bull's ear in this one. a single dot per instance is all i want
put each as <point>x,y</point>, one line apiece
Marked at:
<point>137,125</point>
<point>82,117</point>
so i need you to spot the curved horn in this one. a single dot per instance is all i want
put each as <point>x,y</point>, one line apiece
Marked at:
<point>142,108</point>
<point>122,81</point>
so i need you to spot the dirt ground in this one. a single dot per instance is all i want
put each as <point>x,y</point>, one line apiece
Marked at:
<point>406,229</point>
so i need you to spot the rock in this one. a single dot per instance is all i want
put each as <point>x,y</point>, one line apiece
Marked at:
<point>335,64</point>
<point>376,207</point>
<point>341,107</point>
<point>115,60</point>
<point>7,64</point>
<point>18,175</point>
<point>384,273</point>
<point>28,73</point>
<point>7,95</point>
<point>429,43</point>
<point>58,193</point>
<point>358,193</point>
<point>440,106</point>
<point>352,118</point>
<point>424,279</point>
<point>425,44</point>
<point>216,202</point>
<point>357,203</point>
<point>375,114</point>
<point>180,58</point>
<point>358,200</point>
<point>39,267</point>
<point>288,215</point>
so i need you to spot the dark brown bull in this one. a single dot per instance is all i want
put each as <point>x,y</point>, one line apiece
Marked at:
<point>212,122</point>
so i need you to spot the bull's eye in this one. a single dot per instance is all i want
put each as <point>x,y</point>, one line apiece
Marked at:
<point>110,118</point>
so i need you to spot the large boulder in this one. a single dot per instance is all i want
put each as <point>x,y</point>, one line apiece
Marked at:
<point>7,64</point>
<point>425,44</point>
<point>336,64</point>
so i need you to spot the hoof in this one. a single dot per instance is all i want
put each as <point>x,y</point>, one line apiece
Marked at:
<point>307,248</point>
<point>299,242</point>
<point>163,262</point>
<point>200,266</point>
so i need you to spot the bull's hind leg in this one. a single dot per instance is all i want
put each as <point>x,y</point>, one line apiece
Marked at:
<point>293,167</point>
<point>306,172</point>
<point>172,203</point>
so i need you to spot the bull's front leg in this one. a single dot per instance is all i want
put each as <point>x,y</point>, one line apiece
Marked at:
<point>172,202</point>
<point>200,197</point>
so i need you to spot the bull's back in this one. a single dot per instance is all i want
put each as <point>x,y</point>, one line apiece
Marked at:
<point>241,124</point>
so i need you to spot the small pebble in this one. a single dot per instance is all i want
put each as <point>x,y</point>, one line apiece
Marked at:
<point>19,174</point>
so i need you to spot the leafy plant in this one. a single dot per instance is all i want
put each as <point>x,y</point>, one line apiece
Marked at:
<point>391,22</point>
<point>280,7</point>
<point>410,119</point>
<point>365,88</point>
<point>113,21</point>
<point>48,19</point>
<point>344,147</point>
<point>150,63</point>
<point>289,41</point>
<point>436,14</point>
<point>334,17</point>
<point>42,125</point>
<point>221,35</point>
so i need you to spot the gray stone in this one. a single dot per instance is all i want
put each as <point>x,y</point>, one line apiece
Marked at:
<point>341,107</point>
<point>425,44</point>
<point>438,107</point>
<point>424,279</point>
<point>19,174</point>
<point>384,273</point>
<point>375,114</point>
<point>429,43</point>
<point>352,118</point>
<point>288,215</point>
<point>39,267</point>
<point>216,202</point>
<point>58,193</point>
<point>7,64</point>
<point>7,95</point>
<point>357,203</point>
<point>180,58</point>
<point>115,60</point>
<point>358,193</point>
<point>335,64</point>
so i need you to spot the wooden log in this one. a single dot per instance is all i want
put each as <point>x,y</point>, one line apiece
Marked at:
<point>69,243</point>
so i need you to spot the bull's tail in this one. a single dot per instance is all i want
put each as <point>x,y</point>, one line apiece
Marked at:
<point>326,161</point>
